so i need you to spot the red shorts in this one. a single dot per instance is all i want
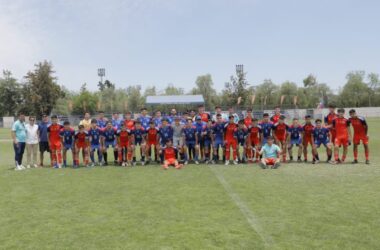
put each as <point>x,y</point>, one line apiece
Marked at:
<point>231,143</point>
<point>255,142</point>
<point>270,161</point>
<point>333,135</point>
<point>281,139</point>
<point>55,146</point>
<point>80,146</point>
<point>307,140</point>
<point>341,141</point>
<point>171,161</point>
<point>123,145</point>
<point>362,138</point>
<point>151,143</point>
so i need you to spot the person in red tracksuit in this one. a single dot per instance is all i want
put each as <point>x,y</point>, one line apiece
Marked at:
<point>360,127</point>
<point>170,156</point>
<point>343,136</point>
<point>329,121</point>
<point>124,146</point>
<point>55,143</point>
<point>230,140</point>
<point>254,140</point>
<point>280,135</point>
<point>308,129</point>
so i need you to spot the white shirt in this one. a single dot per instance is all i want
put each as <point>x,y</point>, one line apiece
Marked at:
<point>31,134</point>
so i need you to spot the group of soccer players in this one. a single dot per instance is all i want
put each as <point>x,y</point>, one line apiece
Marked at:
<point>177,140</point>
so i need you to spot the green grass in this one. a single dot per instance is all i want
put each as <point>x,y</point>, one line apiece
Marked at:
<point>299,206</point>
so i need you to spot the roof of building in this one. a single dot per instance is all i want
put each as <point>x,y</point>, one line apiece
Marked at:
<point>174,99</point>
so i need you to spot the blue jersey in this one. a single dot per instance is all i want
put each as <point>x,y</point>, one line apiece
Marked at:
<point>157,122</point>
<point>295,132</point>
<point>241,135</point>
<point>67,136</point>
<point>145,121</point>
<point>218,131</point>
<point>42,128</point>
<point>94,135</point>
<point>116,123</point>
<point>109,134</point>
<point>199,127</point>
<point>189,133</point>
<point>139,134</point>
<point>166,133</point>
<point>208,132</point>
<point>101,123</point>
<point>266,129</point>
<point>321,134</point>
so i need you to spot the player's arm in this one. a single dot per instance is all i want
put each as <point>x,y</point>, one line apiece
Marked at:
<point>349,131</point>
<point>261,152</point>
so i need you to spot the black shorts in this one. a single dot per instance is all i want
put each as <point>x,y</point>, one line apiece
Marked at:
<point>44,146</point>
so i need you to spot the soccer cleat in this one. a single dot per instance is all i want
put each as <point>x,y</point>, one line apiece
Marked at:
<point>17,168</point>
<point>333,162</point>
<point>227,163</point>
<point>213,162</point>
<point>196,162</point>
<point>142,163</point>
<point>28,166</point>
<point>367,162</point>
<point>299,160</point>
<point>236,162</point>
<point>59,166</point>
<point>276,165</point>
<point>262,165</point>
<point>355,162</point>
<point>35,166</point>
<point>186,162</point>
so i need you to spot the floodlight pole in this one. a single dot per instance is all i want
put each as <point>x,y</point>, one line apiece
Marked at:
<point>101,73</point>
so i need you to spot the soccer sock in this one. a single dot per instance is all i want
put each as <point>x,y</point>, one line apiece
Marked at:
<point>92,156</point>
<point>317,157</point>
<point>366,153</point>
<point>234,153</point>
<point>64,162</point>
<point>143,158</point>
<point>343,157</point>
<point>115,155</point>
<point>355,153</point>
<point>100,156</point>
<point>134,158</point>
<point>105,156</point>
<point>59,157</point>
<point>120,155</point>
<point>336,156</point>
<point>329,156</point>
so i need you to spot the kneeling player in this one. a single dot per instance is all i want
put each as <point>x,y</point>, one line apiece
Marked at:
<point>271,154</point>
<point>295,138</point>
<point>320,137</point>
<point>67,134</point>
<point>81,143</point>
<point>170,156</point>
<point>360,135</point>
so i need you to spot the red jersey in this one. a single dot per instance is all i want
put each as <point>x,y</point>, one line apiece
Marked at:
<point>205,117</point>
<point>254,133</point>
<point>170,153</point>
<point>81,138</point>
<point>129,124</point>
<point>330,118</point>
<point>308,131</point>
<point>54,133</point>
<point>360,126</point>
<point>229,131</point>
<point>152,135</point>
<point>123,136</point>
<point>275,118</point>
<point>248,121</point>
<point>280,130</point>
<point>341,126</point>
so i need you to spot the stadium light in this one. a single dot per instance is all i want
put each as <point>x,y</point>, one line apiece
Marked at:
<point>239,69</point>
<point>101,73</point>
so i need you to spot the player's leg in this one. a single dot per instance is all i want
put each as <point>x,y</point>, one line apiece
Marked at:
<point>263,163</point>
<point>366,152</point>
<point>59,155</point>
<point>277,163</point>
<point>235,146</point>
<point>143,150</point>
<point>290,151</point>
<point>197,150</point>
<point>105,154</point>
<point>130,149</point>
<point>355,149</point>
<point>53,151</point>
<point>329,151</point>
<point>283,148</point>
<point>177,165</point>
<point>315,153</point>
<point>300,150</point>
<point>227,151</point>
<point>304,146</point>
<point>92,155</point>
<point>336,150</point>
<point>165,164</point>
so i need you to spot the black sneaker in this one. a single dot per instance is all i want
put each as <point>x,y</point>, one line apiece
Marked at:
<point>355,162</point>
<point>299,160</point>
<point>367,162</point>
<point>313,162</point>
<point>276,165</point>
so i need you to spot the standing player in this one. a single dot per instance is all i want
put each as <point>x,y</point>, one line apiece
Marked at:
<point>157,119</point>
<point>248,118</point>
<point>81,143</point>
<point>152,140</point>
<point>139,135</point>
<point>241,135</point>
<point>67,135</point>
<point>55,142</point>
<point>166,133</point>
<point>308,128</point>
<point>342,136</point>
<point>200,125</point>
<point>217,137</point>
<point>266,128</point>
<point>254,141</point>
<point>124,145</point>
<point>321,136</point>
<point>144,118</point>
<point>101,121</point>
<point>295,138</point>
<point>177,135</point>
<point>170,156</point>
<point>230,140</point>
<point>207,140</point>
<point>280,135</point>
<point>277,114</point>
<point>190,138</point>
<point>329,121</point>
<point>360,127</point>
<point>94,136</point>
<point>205,117</point>
<point>109,139</point>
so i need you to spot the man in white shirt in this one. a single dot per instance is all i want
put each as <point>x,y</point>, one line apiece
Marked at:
<point>32,135</point>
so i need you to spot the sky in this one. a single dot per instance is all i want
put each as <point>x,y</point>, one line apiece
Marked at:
<point>157,42</point>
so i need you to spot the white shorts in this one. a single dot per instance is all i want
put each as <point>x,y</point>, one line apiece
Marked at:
<point>177,142</point>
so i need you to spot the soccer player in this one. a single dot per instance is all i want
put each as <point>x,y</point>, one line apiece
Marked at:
<point>139,135</point>
<point>200,125</point>
<point>218,110</point>
<point>81,143</point>
<point>67,135</point>
<point>116,121</point>
<point>201,112</point>
<point>329,121</point>
<point>101,121</point>
<point>166,133</point>
<point>128,121</point>
<point>254,140</point>
<point>342,136</point>
<point>44,142</point>
<point>295,133</point>
<point>277,114</point>
<point>94,136</point>
<point>280,135</point>
<point>170,156</point>
<point>157,119</point>
<point>230,141</point>
<point>248,118</point>
<point>177,135</point>
<point>360,127</point>
<point>124,146</point>
<point>190,138</point>
<point>308,128</point>
<point>144,118</point>
<point>217,137</point>
<point>109,139</point>
<point>207,140</point>
<point>321,136</point>
<point>55,142</point>
<point>152,140</point>
<point>241,135</point>
<point>271,154</point>
<point>266,128</point>
<point>86,122</point>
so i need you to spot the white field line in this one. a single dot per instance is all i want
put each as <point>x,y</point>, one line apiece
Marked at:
<point>248,214</point>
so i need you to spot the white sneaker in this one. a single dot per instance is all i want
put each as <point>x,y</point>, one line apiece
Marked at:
<point>142,163</point>
<point>186,162</point>
<point>59,166</point>
<point>197,162</point>
<point>28,166</point>
<point>227,163</point>
<point>35,166</point>
<point>236,162</point>
<point>17,168</point>
<point>123,164</point>
<point>22,167</point>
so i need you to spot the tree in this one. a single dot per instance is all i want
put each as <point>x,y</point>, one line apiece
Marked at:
<point>172,90</point>
<point>267,93</point>
<point>10,94</point>
<point>289,90</point>
<point>373,89</point>
<point>204,86</point>
<point>235,88</point>
<point>310,81</point>
<point>355,91</point>
<point>41,91</point>
<point>135,100</point>
<point>85,101</point>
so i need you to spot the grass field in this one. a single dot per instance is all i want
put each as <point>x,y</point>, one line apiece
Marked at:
<point>299,206</point>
